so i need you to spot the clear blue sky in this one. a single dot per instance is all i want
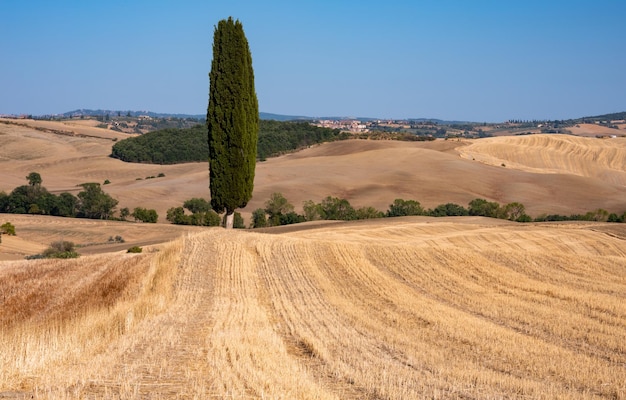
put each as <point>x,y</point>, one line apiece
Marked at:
<point>465,60</point>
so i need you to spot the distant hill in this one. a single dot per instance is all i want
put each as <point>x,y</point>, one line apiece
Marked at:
<point>99,112</point>
<point>283,117</point>
<point>200,117</point>
<point>607,117</point>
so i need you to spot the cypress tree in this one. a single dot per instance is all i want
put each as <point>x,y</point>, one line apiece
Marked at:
<point>232,120</point>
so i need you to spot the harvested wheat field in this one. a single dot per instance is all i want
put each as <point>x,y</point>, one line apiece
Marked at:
<point>391,309</point>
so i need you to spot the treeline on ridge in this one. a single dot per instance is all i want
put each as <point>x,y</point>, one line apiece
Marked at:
<point>279,211</point>
<point>91,202</point>
<point>174,146</point>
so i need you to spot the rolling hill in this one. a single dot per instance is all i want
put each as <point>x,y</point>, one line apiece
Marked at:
<point>394,308</point>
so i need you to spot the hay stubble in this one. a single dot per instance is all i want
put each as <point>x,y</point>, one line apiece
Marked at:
<point>405,308</point>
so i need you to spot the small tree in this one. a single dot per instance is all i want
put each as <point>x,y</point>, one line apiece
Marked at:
<point>483,208</point>
<point>176,215</point>
<point>124,213</point>
<point>8,229</point>
<point>259,218</point>
<point>277,206</point>
<point>368,213</point>
<point>334,208</point>
<point>400,208</point>
<point>34,179</point>
<point>238,222</point>
<point>512,211</point>
<point>196,205</point>
<point>60,249</point>
<point>312,210</point>
<point>95,203</point>
<point>449,209</point>
<point>145,215</point>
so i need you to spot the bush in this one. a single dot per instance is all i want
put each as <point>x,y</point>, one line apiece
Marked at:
<point>145,215</point>
<point>8,229</point>
<point>134,249</point>
<point>60,249</point>
<point>401,208</point>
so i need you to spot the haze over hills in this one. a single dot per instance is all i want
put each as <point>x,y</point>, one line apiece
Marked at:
<point>282,117</point>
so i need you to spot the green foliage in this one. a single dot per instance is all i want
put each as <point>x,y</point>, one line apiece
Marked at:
<point>277,138</point>
<point>312,211</point>
<point>124,213</point>
<point>35,199</point>
<point>176,215</point>
<point>259,218</point>
<point>196,205</point>
<point>597,215</point>
<point>276,207</point>
<point>334,208</point>
<point>145,215</point>
<point>368,213</point>
<point>291,217</point>
<point>512,211</point>
<point>238,222</point>
<point>400,208</point>
<point>483,208</point>
<point>173,146</point>
<point>167,146</point>
<point>106,182</point>
<point>8,229</point>
<point>448,210</point>
<point>95,203</point>
<point>134,249</point>
<point>60,249</point>
<point>211,218</point>
<point>34,179</point>
<point>232,119</point>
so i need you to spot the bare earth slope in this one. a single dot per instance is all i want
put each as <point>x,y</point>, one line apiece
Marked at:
<point>389,309</point>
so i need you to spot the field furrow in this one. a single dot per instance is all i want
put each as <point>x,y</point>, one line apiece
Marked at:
<point>421,309</point>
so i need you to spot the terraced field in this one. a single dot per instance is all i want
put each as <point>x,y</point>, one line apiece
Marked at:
<point>389,309</point>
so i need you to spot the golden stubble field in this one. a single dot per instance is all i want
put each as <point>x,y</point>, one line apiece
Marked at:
<point>386,309</point>
<point>389,309</point>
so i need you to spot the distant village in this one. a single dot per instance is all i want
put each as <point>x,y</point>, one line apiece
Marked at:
<point>401,129</point>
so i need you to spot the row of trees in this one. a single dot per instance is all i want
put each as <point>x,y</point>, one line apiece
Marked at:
<point>91,202</point>
<point>199,213</point>
<point>279,211</point>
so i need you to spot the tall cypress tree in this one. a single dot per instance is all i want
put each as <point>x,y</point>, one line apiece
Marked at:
<point>232,120</point>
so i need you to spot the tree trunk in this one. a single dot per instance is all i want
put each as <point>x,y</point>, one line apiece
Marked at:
<point>230,218</point>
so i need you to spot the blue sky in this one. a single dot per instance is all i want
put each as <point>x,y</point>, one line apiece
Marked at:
<point>475,60</point>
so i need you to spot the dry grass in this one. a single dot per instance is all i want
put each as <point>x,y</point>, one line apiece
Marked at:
<point>59,316</point>
<point>401,308</point>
